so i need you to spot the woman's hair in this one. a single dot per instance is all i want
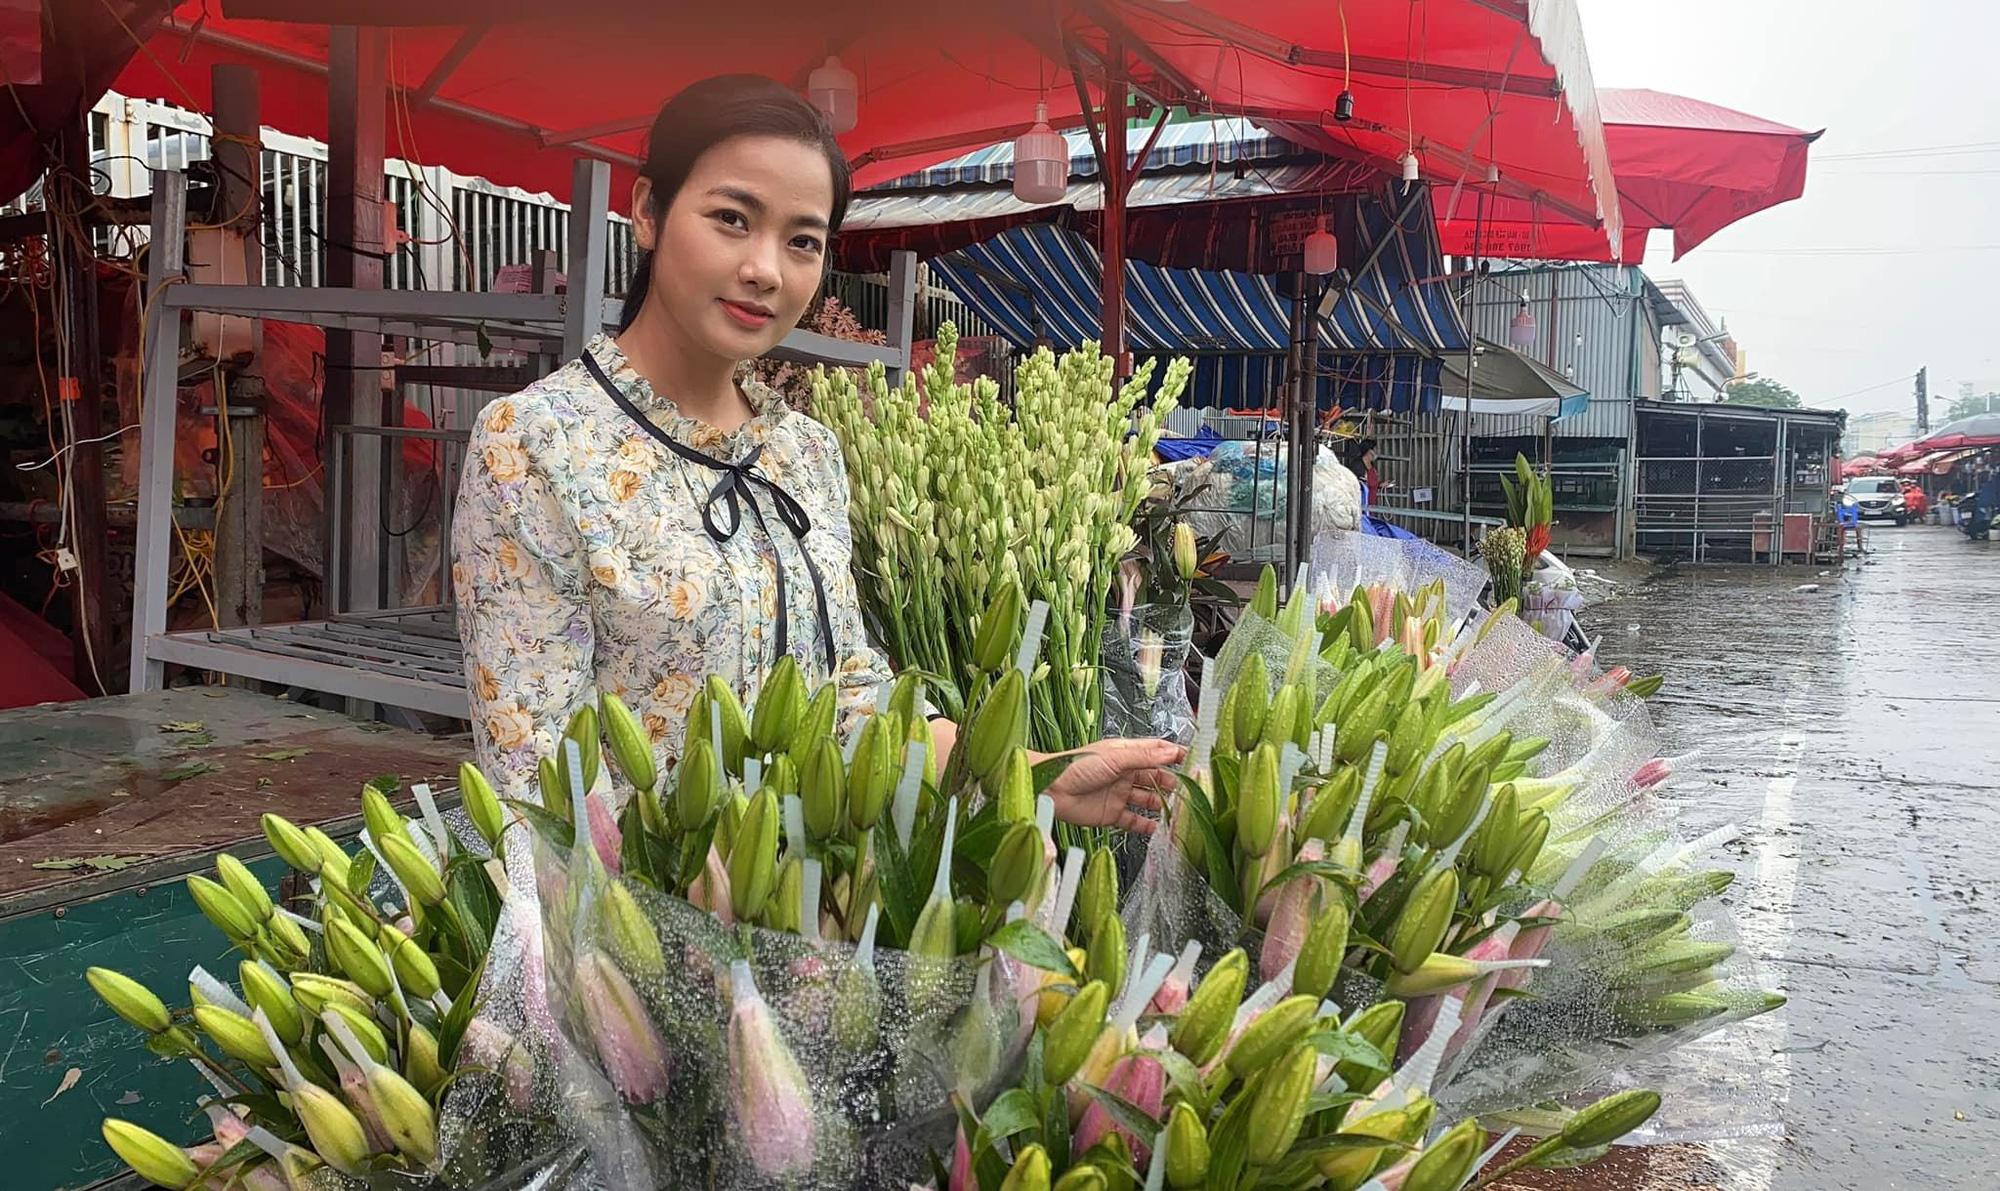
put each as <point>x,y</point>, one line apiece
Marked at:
<point>704,115</point>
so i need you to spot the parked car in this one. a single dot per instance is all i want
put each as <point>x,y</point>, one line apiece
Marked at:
<point>1878,496</point>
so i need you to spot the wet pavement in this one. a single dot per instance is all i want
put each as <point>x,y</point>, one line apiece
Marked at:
<point>1852,732</point>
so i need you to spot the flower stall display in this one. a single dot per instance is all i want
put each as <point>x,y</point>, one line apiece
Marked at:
<point>956,493</point>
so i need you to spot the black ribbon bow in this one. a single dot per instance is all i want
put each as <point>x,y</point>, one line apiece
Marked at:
<point>735,487</point>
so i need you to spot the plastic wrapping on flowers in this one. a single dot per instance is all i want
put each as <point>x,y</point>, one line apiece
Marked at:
<point>1480,799</point>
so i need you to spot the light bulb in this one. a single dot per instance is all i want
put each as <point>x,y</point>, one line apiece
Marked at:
<point>834,90</point>
<point>1041,162</point>
<point>1521,330</point>
<point>1322,250</point>
<point>1410,170</point>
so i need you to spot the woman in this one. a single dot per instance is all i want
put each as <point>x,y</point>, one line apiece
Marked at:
<point>650,514</point>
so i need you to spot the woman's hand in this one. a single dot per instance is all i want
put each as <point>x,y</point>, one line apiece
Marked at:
<point>1112,781</point>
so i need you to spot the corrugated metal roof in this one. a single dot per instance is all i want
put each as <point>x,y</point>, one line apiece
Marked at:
<point>876,210</point>
<point>1588,336</point>
<point>1193,142</point>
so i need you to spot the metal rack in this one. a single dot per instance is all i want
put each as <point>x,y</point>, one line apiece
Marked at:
<point>407,657</point>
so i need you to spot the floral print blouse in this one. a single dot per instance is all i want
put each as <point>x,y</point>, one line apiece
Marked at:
<point>581,563</point>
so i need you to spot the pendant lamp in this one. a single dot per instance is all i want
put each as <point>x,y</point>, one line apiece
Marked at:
<point>1322,250</point>
<point>834,90</point>
<point>1041,162</point>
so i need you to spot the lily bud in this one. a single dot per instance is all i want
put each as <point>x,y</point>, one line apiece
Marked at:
<point>630,933</point>
<point>872,775</point>
<point>1282,1096</point>
<point>1071,1036</point>
<point>631,746</point>
<point>1141,1081</point>
<point>553,782</point>
<point>1425,917</point>
<point>481,803</point>
<point>815,721</point>
<point>244,887</point>
<point>1097,896</point>
<point>421,1063</point>
<point>1204,1025</point>
<point>710,889</point>
<point>410,867</point>
<point>237,1035</point>
<point>265,989</point>
<point>414,967</point>
<point>220,907</point>
<point>1285,935</point>
<point>774,1112</point>
<point>1319,956</point>
<point>291,844</point>
<point>1185,558</point>
<point>288,940</point>
<point>315,991</point>
<point>697,783</point>
<point>628,1045</point>
<point>130,1000</point>
<point>406,1116</point>
<point>822,788</point>
<point>1275,1032</point>
<point>1017,789</point>
<point>605,836</point>
<point>336,1134</point>
<point>723,705</point>
<point>363,1027</point>
<point>1017,864</point>
<point>753,857</point>
<point>1030,1171</point>
<point>1253,700</point>
<point>358,957</point>
<point>999,726</point>
<point>488,1046</point>
<point>1446,1163</point>
<point>150,1156</point>
<point>1610,1119</point>
<point>1106,953</point>
<point>1187,1149</point>
<point>780,705</point>
<point>381,819</point>
<point>999,628</point>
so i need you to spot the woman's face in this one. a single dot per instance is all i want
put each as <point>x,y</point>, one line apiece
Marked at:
<point>742,247</point>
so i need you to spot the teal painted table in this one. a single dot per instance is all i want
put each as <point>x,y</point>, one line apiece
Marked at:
<point>104,807</point>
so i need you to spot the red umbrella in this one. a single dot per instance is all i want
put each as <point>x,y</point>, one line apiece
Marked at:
<point>1979,430</point>
<point>513,89</point>
<point>1680,163</point>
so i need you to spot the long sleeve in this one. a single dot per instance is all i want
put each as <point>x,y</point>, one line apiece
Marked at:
<point>861,667</point>
<point>523,612</point>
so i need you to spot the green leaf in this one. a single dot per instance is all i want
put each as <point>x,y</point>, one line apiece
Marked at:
<point>902,898</point>
<point>1328,1143</point>
<point>1035,947</point>
<point>96,864</point>
<point>471,890</point>
<point>451,1030</point>
<point>361,870</point>
<point>388,783</point>
<point>280,755</point>
<point>553,828</point>
<point>1014,1112</point>
<point>1055,1129</point>
<point>1342,1046</point>
<point>1186,1080</point>
<point>181,773</point>
<point>1214,853</point>
<point>1126,1113</point>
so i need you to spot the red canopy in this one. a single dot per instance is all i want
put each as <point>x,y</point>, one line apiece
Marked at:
<point>1680,163</point>
<point>512,89</point>
<point>1979,430</point>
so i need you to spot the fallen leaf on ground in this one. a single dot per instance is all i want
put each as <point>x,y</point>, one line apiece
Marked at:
<point>183,726</point>
<point>181,773</point>
<point>96,864</point>
<point>130,1098</point>
<point>68,1081</point>
<point>280,755</point>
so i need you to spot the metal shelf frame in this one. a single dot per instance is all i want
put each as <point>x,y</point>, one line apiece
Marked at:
<point>407,657</point>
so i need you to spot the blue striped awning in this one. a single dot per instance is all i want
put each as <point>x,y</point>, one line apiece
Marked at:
<point>1383,333</point>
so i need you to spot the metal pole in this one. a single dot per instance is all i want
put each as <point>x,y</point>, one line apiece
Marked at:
<point>1465,429</point>
<point>239,396</point>
<point>1111,239</point>
<point>153,532</point>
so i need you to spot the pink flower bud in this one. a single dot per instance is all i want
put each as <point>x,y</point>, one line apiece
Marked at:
<point>1291,916</point>
<point>960,1178</point>
<point>1138,1078</point>
<point>774,1111</point>
<point>488,1046</point>
<point>627,1044</point>
<point>710,890</point>
<point>1379,872</point>
<point>1497,945</point>
<point>1528,943</point>
<point>1652,773</point>
<point>604,833</point>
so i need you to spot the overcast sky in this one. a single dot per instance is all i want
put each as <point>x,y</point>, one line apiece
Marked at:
<point>1887,263</point>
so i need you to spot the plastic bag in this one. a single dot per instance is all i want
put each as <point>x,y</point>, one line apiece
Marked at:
<point>1145,673</point>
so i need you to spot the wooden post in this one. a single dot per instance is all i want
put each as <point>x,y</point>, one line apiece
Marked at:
<point>589,248</point>
<point>356,110</point>
<point>239,410</point>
